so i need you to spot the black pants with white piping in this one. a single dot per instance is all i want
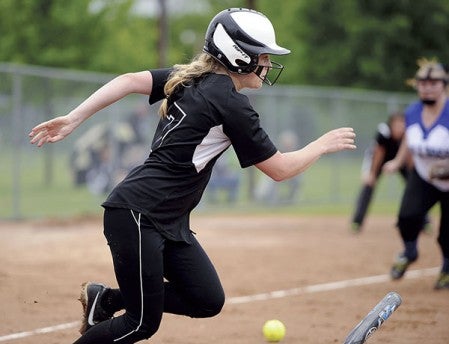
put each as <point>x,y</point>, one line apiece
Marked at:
<point>155,275</point>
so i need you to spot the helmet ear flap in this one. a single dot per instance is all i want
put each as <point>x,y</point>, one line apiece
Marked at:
<point>225,49</point>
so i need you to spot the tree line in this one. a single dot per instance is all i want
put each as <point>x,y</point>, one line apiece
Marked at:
<point>372,44</point>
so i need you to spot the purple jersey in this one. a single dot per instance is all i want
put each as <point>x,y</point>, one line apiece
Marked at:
<point>428,144</point>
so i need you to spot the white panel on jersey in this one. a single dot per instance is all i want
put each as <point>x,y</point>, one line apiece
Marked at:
<point>213,144</point>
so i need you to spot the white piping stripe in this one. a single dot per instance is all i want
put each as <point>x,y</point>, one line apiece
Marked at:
<point>211,145</point>
<point>328,286</point>
<point>179,122</point>
<point>137,220</point>
<point>411,274</point>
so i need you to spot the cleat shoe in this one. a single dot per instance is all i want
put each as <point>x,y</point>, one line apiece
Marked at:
<point>93,312</point>
<point>400,266</point>
<point>442,282</point>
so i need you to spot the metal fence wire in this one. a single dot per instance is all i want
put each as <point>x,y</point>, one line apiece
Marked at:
<point>73,176</point>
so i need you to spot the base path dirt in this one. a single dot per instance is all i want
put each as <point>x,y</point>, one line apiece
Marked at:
<point>325,279</point>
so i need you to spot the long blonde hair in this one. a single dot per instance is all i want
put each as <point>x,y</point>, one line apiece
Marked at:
<point>183,74</point>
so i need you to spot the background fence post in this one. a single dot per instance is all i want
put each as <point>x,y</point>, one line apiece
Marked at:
<point>16,149</point>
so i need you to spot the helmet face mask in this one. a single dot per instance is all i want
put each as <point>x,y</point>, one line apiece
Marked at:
<point>273,72</point>
<point>430,69</point>
<point>236,37</point>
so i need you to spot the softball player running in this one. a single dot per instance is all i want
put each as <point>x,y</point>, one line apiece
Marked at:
<point>427,138</point>
<point>383,148</point>
<point>158,263</point>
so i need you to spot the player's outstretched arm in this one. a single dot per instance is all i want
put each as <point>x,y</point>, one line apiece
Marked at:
<point>282,166</point>
<point>119,87</point>
<point>376,165</point>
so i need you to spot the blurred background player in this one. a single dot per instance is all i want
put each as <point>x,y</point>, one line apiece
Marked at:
<point>427,139</point>
<point>107,151</point>
<point>383,148</point>
<point>269,191</point>
<point>224,181</point>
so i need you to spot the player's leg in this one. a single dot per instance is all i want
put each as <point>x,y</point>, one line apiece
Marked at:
<point>137,252</point>
<point>443,241</point>
<point>193,287</point>
<point>363,201</point>
<point>405,172</point>
<point>366,191</point>
<point>418,198</point>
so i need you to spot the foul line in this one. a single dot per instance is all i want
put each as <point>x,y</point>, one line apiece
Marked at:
<point>316,288</point>
<point>329,286</point>
<point>39,331</point>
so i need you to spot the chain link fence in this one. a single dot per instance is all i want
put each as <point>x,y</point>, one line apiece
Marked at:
<point>72,177</point>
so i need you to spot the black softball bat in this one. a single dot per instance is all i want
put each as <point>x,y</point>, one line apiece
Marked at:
<point>374,319</point>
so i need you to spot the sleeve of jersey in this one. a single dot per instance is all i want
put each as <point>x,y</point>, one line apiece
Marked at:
<point>250,142</point>
<point>383,134</point>
<point>160,77</point>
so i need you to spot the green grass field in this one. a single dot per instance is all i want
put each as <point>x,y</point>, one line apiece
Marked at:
<point>31,195</point>
<point>328,187</point>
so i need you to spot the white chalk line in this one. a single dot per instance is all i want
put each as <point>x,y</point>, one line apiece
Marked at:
<point>412,274</point>
<point>316,288</point>
<point>49,329</point>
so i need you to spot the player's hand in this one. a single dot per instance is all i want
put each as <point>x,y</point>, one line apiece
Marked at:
<point>51,131</point>
<point>391,166</point>
<point>337,140</point>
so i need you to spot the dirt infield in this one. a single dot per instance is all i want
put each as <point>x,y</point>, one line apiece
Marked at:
<point>43,265</point>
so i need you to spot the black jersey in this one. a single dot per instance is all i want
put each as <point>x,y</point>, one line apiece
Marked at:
<point>385,140</point>
<point>203,120</point>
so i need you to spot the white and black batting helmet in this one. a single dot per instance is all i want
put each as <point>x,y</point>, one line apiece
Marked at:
<point>236,37</point>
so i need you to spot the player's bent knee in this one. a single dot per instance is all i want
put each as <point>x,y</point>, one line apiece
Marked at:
<point>210,308</point>
<point>131,330</point>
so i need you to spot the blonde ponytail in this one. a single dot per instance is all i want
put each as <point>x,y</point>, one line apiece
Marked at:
<point>184,73</point>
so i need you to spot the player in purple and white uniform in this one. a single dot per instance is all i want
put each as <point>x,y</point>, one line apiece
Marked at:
<point>383,148</point>
<point>427,139</point>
